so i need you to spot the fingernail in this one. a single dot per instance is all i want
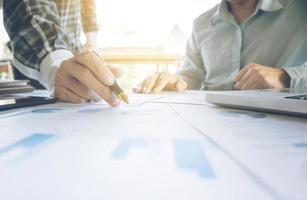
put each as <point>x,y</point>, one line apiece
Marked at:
<point>110,80</point>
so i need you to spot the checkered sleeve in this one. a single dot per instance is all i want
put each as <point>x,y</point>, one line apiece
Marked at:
<point>35,31</point>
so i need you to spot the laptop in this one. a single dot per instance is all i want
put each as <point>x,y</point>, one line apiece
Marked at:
<point>285,101</point>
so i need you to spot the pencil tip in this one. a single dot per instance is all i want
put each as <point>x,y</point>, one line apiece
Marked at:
<point>124,98</point>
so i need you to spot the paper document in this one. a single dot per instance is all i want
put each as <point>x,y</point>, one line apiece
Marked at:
<point>272,147</point>
<point>162,146</point>
<point>94,152</point>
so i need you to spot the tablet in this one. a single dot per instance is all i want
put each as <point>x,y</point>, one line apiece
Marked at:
<point>12,102</point>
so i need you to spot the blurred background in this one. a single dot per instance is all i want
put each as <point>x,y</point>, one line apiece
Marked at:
<point>141,37</point>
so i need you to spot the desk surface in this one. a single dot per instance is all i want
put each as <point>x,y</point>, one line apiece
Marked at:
<point>168,146</point>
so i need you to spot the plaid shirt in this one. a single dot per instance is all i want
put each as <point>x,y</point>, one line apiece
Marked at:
<point>40,27</point>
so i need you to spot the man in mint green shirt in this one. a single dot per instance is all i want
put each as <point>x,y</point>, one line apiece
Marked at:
<point>242,44</point>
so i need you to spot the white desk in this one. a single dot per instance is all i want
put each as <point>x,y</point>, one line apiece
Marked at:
<point>174,146</point>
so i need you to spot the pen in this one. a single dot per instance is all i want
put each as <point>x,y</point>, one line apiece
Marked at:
<point>115,88</point>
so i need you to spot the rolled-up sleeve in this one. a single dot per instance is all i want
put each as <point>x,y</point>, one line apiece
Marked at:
<point>35,31</point>
<point>193,70</point>
<point>298,76</point>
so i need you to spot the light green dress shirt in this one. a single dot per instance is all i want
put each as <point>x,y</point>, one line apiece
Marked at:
<point>274,35</point>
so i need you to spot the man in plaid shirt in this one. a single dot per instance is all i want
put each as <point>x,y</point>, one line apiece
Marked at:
<point>45,39</point>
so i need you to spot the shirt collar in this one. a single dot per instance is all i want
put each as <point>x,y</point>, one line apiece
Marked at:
<point>272,5</point>
<point>222,12</point>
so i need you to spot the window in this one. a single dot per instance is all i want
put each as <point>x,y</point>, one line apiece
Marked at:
<point>136,32</point>
<point>140,23</point>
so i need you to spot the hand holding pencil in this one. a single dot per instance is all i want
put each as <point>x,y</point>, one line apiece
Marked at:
<point>86,77</point>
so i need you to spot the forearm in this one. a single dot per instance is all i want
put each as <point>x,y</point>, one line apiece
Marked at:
<point>298,76</point>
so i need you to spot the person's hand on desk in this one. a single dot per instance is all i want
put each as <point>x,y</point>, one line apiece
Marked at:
<point>84,78</point>
<point>255,76</point>
<point>161,81</point>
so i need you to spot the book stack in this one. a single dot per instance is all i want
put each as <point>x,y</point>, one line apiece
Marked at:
<point>15,87</point>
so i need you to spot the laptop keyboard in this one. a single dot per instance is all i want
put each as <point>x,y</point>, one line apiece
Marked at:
<point>299,97</point>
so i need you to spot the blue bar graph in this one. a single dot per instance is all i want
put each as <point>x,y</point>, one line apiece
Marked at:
<point>126,145</point>
<point>46,110</point>
<point>300,145</point>
<point>96,110</point>
<point>189,154</point>
<point>26,145</point>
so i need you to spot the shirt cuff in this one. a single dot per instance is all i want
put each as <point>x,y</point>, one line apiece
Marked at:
<point>91,38</point>
<point>298,76</point>
<point>50,64</point>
